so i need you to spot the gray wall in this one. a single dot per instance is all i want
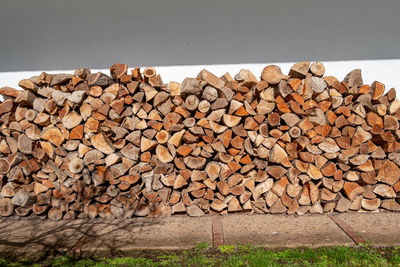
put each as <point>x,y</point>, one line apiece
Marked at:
<point>65,34</point>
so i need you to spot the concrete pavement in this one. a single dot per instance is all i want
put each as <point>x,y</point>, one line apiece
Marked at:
<point>181,232</point>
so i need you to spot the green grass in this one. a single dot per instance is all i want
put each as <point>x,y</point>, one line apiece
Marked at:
<point>227,255</point>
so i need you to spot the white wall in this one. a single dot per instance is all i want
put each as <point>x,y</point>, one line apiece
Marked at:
<point>66,34</point>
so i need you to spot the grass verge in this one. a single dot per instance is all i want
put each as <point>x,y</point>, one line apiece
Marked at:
<point>204,255</point>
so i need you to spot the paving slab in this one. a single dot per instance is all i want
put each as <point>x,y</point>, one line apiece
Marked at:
<point>283,231</point>
<point>177,232</point>
<point>31,235</point>
<point>380,229</point>
<point>182,232</point>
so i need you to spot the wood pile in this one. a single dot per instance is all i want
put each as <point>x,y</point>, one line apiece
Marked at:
<point>92,145</point>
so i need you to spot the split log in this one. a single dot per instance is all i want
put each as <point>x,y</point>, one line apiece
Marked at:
<point>299,70</point>
<point>317,69</point>
<point>272,74</point>
<point>6,207</point>
<point>163,154</point>
<point>102,143</point>
<point>23,198</point>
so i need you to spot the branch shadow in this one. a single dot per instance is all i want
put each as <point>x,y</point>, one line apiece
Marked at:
<point>42,238</point>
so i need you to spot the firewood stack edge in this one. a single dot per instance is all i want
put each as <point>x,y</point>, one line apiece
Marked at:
<point>91,145</point>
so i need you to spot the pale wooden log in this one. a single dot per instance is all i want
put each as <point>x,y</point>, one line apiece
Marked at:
<point>277,154</point>
<point>130,151</point>
<point>95,91</point>
<point>317,69</point>
<point>99,79</point>
<point>370,204</point>
<point>42,119</point>
<point>263,107</point>
<point>38,210</point>
<point>4,147</point>
<point>211,79</point>
<point>23,211</point>
<point>234,106</point>
<point>204,106</point>
<point>384,191</point>
<point>329,145</point>
<point>23,198</point>
<point>216,115</point>
<point>175,88</point>
<point>6,207</point>
<point>160,98</point>
<point>343,204</point>
<point>354,78</point>
<point>360,136</point>
<point>4,166</point>
<point>318,85</point>
<point>314,172</point>
<point>389,173</point>
<point>55,214</point>
<point>76,165</point>
<point>394,106</point>
<point>246,75</point>
<point>220,103</point>
<point>60,78</point>
<point>33,132</point>
<point>230,120</point>
<point>9,189</point>
<point>217,128</point>
<point>39,188</point>
<point>9,92</point>
<point>190,86</point>
<point>210,93</point>
<point>316,208</point>
<point>390,204</point>
<point>278,207</point>
<point>391,123</point>
<point>234,205</point>
<point>176,138</point>
<point>25,98</point>
<point>197,163</point>
<point>293,190</point>
<point>295,132</point>
<point>25,144</point>
<point>102,143</point>
<point>118,70</point>
<point>72,120</point>
<point>299,70</point>
<point>272,74</point>
<point>148,73</point>
<point>352,189</point>
<point>261,188</point>
<point>53,135</point>
<point>6,106</point>
<point>290,119</point>
<point>279,186</point>
<point>271,198</point>
<point>327,195</point>
<point>12,144</point>
<point>192,102</point>
<point>163,154</point>
<point>16,175</point>
<point>147,144</point>
<point>162,137</point>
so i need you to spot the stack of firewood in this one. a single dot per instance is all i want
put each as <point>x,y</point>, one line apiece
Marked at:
<point>89,144</point>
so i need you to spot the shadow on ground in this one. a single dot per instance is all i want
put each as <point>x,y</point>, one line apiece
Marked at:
<point>32,235</point>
